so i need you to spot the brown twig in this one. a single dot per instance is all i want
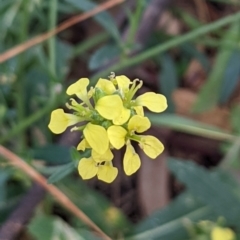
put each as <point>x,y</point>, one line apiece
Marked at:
<point>54,191</point>
<point>65,138</point>
<point>68,23</point>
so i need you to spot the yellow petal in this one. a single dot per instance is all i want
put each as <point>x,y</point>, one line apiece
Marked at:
<point>109,107</point>
<point>219,233</point>
<point>123,84</point>
<point>60,121</point>
<point>83,145</point>
<point>139,124</point>
<point>96,137</point>
<point>87,168</point>
<point>139,110</point>
<point>107,173</point>
<point>131,160</point>
<point>116,135</point>
<point>154,102</point>
<point>107,156</point>
<point>151,146</point>
<point>123,117</point>
<point>79,88</point>
<point>106,86</point>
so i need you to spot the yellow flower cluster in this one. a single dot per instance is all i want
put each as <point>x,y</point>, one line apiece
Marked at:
<point>110,117</point>
<point>220,233</point>
<point>213,230</point>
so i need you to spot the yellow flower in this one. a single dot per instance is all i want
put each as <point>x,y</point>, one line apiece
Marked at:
<point>151,146</point>
<point>153,101</point>
<point>138,124</point>
<point>60,121</point>
<point>109,107</point>
<point>96,137</point>
<point>106,86</point>
<point>123,84</point>
<point>112,118</point>
<point>90,167</point>
<point>116,135</point>
<point>80,89</point>
<point>107,156</point>
<point>123,117</point>
<point>83,145</point>
<point>131,160</point>
<point>139,110</point>
<point>87,168</point>
<point>107,172</point>
<point>219,233</point>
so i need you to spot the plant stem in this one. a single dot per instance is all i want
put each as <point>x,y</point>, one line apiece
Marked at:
<point>20,94</point>
<point>59,196</point>
<point>52,41</point>
<point>25,123</point>
<point>89,43</point>
<point>137,59</point>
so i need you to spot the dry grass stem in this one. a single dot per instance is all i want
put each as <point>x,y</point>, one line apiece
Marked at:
<point>68,23</point>
<point>54,191</point>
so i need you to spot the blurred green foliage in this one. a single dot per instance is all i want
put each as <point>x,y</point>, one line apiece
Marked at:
<point>34,82</point>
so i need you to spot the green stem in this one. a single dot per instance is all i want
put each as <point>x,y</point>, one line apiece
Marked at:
<point>210,42</point>
<point>24,124</point>
<point>20,99</point>
<point>89,43</point>
<point>131,61</point>
<point>52,41</point>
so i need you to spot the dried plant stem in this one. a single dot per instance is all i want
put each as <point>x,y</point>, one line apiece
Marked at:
<point>54,191</point>
<point>68,23</point>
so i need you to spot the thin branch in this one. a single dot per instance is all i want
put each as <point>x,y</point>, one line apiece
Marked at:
<point>68,23</point>
<point>54,191</point>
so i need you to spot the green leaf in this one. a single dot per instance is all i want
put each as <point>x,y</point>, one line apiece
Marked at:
<point>36,85</point>
<point>109,218</point>
<point>231,159</point>
<point>89,43</point>
<point>164,46</point>
<point>209,188</point>
<point>53,154</point>
<point>210,92</point>
<point>187,125</point>
<point>11,191</point>
<point>75,154</point>
<point>231,77</point>
<point>4,176</point>
<point>103,56</point>
<point>168,80</point>
<point>8,17</point>
<point>66,169</point>
<point>63,54</point>
<point>7,207</point>
<point>51,228</point>
<point>61,172</point>
<point>194,53</point>
<point>171,222</point>
<point>104,18</point>
<point>235,116</point>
